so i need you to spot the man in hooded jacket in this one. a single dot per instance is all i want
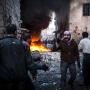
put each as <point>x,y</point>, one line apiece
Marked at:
<point>69,55</point>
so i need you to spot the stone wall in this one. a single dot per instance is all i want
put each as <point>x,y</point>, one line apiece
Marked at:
<point>9,13</point>
<point>77,22</point>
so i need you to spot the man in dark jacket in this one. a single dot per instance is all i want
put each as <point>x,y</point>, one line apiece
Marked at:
<point>69,54</point>
<point>13,63</point>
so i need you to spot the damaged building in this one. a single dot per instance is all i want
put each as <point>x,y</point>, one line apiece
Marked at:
<point>35,15</point>
<point>46,20</point>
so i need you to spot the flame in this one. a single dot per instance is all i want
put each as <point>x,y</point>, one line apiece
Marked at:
<point>38,45</point>
<point>40,48</point>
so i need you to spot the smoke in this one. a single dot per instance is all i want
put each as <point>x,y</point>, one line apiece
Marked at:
<point>36,11</point>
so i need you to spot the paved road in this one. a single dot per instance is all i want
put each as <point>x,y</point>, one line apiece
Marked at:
<point>50,80</point>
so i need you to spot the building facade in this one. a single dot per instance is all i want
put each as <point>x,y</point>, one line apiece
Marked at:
<point>79,17</point>
<point>77,12</point>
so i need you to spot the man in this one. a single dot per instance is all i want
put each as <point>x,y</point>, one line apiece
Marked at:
<point>32,65</point>
<point>13,63</point>
<point>84,45</point>
<point>69,54</point>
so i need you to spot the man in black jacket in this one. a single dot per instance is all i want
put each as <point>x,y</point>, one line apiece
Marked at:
<point>13,63</point>
<point>69,56</point>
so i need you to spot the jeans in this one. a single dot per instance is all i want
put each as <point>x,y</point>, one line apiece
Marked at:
<point>72,70</point>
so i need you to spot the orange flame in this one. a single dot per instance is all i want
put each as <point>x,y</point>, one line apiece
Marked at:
<point>38,45</point>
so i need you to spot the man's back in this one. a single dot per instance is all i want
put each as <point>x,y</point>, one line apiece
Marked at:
<point>12,59</point>
<point>85,45</point>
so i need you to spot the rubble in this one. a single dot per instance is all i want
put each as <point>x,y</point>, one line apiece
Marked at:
<point>51,78</point>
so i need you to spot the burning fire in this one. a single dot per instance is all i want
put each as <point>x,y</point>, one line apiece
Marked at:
<point>36,44</point>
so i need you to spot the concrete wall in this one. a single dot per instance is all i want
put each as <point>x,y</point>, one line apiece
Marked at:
<point>78,22</point>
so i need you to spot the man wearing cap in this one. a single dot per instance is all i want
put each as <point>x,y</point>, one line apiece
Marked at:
<point>69,54</point>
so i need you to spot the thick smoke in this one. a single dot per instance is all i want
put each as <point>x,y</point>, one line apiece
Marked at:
<point>36,12</point>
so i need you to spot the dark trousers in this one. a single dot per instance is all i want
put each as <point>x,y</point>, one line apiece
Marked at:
<point>86,69</point>
<point>72,69</point>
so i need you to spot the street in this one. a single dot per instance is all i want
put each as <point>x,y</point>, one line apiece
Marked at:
<point>50,80</point>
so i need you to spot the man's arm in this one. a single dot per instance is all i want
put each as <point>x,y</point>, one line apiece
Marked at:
<point>76,51</point>
<point>80,46</point>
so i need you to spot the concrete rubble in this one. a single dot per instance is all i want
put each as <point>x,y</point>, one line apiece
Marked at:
<point>50,80</point>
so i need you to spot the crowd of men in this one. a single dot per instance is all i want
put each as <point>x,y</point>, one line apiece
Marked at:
<point>70,55</point>
<point>16,60</point>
